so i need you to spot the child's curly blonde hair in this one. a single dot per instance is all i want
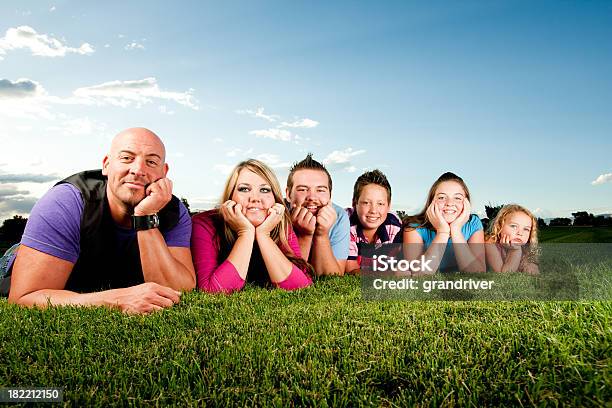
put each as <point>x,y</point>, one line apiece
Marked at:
<point>499,220</point>
<point>531,251</point>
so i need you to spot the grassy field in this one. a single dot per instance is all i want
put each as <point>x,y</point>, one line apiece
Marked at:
<point>322,346</point>
<point>575,234</point>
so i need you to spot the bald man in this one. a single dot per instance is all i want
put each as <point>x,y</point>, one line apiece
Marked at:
<point>115,237</point>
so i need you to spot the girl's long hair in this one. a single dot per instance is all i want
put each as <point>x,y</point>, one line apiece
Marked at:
<point>420,220</point>
<point>280,232</point>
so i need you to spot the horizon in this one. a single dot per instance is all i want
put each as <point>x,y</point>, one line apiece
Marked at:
<point>513,96</point>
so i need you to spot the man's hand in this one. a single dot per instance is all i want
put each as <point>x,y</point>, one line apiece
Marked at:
<point>146,298</point>
<point>157,195</point>
<point>325,219</point>
<point>304,222</point>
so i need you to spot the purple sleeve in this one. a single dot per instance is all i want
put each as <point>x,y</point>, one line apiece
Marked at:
<point>180,235</point>
<point>211,276</point>
<point>54,224</point>
<point>298,278</point>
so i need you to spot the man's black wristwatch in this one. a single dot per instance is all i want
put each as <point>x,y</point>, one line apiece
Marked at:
<point>145,222</point>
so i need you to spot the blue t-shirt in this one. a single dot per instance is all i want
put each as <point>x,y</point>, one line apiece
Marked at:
<point>339,233</point>
<point>448,260</point>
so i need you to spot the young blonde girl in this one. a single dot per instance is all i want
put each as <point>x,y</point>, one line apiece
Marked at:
<point>511,243</point>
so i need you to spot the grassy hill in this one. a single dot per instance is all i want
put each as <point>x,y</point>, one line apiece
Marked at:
<point>323,346</point>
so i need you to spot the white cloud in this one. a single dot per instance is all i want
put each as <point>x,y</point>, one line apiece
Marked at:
<point>258,113</point>
<point>9,190</point>
<point>78,127</point>
<point>106,45</point>
<point>224,169</point>
<point>137,92</point>
<point>276,134</point>
<point>273,161</point>
<point>342,156</point>
<point>237,151</point>
<point>27,178</point>
<point>16,205</point>
<point>203,203</point>
<point>217,140</point>
<point>52,9</point>
<point>24,128</point>
<point>602,179</point>
<point>21,88</point>
<point>350,169</point>
<point>301,123</point>
<point>163,109</point>
<point>542,213</point>
<point>134,46</point>
<point>39,44</point>
<point>25,108</point>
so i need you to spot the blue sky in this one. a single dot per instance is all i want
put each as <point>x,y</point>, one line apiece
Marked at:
<point>516,97</point>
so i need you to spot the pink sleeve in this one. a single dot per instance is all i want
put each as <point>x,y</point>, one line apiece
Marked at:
<point>211,276</point>
<point>298,278</point>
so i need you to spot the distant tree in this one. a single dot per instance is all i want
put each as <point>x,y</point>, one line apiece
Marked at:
<point>401,214</point>
<point>560,222</point>
<point>485,223</point>
<point>602,221</point>
<point>541,223</point>
<point>184,201</point>
<point>12,229</point>
<point>582,218</point>
<point>492,210</point>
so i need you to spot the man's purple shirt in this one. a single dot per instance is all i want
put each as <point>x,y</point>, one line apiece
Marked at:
<point>54,225</point>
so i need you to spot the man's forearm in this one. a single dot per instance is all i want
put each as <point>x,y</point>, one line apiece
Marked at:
<point>60,297</point>
<point>323,259</point>
<point>160,266</point>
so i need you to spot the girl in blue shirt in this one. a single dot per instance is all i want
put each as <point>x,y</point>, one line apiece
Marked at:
<point>446,232</point>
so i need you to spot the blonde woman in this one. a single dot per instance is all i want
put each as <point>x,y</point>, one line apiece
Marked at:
<point>249,238</point>
<point>512,241</point>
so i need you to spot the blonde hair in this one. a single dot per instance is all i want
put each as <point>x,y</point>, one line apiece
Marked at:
<point>531,250</point>
<point>280,232</point>
<point>500,219</point>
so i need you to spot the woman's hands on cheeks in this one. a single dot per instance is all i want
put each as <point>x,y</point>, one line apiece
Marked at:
<point>434,215</point>
<point>463,217</point>
<point>275,215</point>
<point>234,217</point>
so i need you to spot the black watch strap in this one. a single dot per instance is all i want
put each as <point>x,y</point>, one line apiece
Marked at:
<point>145,222</point>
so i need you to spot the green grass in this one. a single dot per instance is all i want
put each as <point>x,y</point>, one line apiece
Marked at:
<point>575,234</point>
<point>322,346</point>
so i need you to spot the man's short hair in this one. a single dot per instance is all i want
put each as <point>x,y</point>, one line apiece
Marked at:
<point>307,164</point>
<point>371,177</point>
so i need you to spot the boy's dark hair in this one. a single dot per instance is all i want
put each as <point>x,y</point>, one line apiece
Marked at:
<point>307,164</point>
<point>371,177</point>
